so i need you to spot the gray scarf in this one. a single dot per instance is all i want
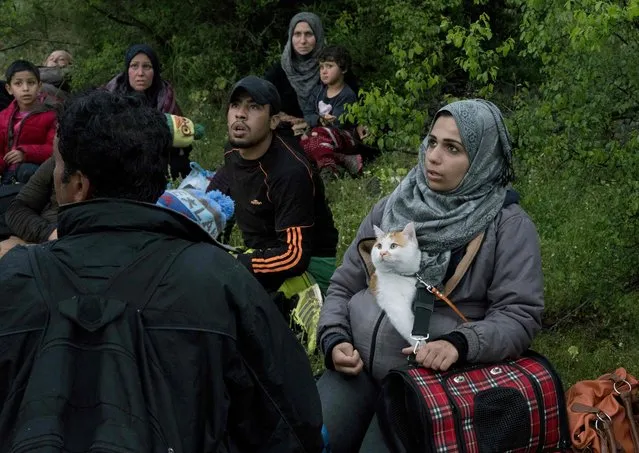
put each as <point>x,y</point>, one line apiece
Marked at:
<point>445,221</point>
<point>303,71</point>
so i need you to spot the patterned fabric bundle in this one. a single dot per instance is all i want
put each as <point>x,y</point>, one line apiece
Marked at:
<point>210,210</point>
<point>320,148</point>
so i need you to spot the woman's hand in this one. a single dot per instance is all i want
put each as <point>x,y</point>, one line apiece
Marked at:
<point>346,359</point>
<point>15,156</point>
<point>436,355</point>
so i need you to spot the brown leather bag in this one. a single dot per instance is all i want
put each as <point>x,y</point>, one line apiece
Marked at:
<point>601,414</point>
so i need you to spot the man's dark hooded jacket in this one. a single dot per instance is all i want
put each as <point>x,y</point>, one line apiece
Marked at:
<point>238,379</point>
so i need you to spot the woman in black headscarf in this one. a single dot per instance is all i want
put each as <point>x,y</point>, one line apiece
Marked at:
<point>142,75</point>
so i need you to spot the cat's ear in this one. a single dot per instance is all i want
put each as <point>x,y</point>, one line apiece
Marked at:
<point>409,231</point>
<point>379,234</point>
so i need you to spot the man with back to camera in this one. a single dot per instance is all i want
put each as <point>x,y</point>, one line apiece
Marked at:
<point>135,331</point>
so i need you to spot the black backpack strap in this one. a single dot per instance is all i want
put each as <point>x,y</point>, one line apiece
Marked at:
<point>423,307</point>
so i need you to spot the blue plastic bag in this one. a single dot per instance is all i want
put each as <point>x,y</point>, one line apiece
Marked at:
<point>198,178</point>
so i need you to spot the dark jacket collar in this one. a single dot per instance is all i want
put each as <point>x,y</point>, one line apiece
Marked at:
<point>106,214</point>
<point>512,197</point>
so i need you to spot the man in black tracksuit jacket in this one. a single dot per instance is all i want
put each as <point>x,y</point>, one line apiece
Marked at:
<point>280,204</point>
<point>226,373</point>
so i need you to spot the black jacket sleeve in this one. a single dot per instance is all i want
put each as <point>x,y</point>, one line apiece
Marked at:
<point>293,196</point>
<point>221,181</point>
<point>291,258</point>
<point>290,104</point>
<point>24,215</point>
<point>311,113</point>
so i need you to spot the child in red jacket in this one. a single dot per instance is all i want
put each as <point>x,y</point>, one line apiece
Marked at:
<point>27,127</point>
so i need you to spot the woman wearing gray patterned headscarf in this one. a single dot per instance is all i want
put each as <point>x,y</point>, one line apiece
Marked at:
<point>458,190</point>
<point>296,75</point>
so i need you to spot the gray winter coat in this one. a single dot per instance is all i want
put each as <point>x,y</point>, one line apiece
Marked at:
<point>501,294</point>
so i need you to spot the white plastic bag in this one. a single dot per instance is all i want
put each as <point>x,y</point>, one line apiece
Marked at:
<point>199,178</point>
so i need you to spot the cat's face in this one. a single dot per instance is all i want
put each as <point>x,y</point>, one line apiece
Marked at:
<point>396,251</point>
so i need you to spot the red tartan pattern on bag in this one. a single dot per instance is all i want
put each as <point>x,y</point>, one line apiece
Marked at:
<point>550,399</point>
<point>440,410</point>
<point>464,385</point>
<point>478,380</point>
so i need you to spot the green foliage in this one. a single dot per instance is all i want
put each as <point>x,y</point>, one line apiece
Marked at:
<point>480,64</point>
<point>578,135</point>
<point>589,98</point>
<point>430,43</point>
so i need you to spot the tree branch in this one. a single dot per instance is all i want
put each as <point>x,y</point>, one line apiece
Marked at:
<point>622,89</point>
<point>27,41</point>
<point>112,17</point>
<point>621,38</point>
<point>629,113</point>
<point>136,23</point>
<point>23,43</point>
<point>570,314</point>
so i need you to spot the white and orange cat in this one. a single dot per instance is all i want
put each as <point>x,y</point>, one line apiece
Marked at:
<point>397,258</point>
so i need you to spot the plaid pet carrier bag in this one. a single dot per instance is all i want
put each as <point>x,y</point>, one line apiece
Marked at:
<point>512,406</point>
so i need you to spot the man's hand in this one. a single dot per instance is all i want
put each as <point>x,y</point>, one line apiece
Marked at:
<point>362,132</point>
<point>328,119</point>
<point>15,156</point>
<point>346,359</point>
<point>295,120</point>
<point>299,128</point>
<point>436,355</point>
<point>284,118</point>
<point>54,235</point>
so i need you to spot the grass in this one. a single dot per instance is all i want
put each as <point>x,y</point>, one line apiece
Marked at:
<point>593,313</point>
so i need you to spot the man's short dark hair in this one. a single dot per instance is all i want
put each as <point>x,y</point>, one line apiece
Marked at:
<point>19,66</point>
<point>338,55</point>
<point>118,142</point>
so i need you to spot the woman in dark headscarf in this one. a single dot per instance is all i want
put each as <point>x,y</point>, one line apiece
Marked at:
<point>296,75</point>
<point>142,75</point>
<point>457,195</point>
